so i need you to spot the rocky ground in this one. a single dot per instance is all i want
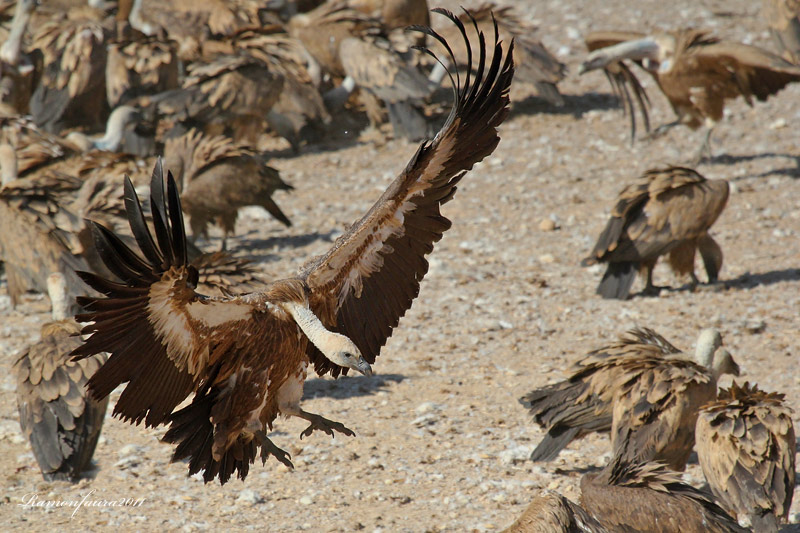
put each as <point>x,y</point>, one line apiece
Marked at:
<point>441,440</point>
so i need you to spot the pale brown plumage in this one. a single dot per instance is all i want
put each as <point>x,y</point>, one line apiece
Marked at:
<point>219,177</point>
<point>139,65</point>
<point>783,19</point>
<point>656,403</point>
<point>72,89</point>
<point>612,375</point>
<point>60,422</point>
<point>746,447</point>
<point>695,71</point>
<point>19,71</point>
<point>665,211</point>
<point>395,13</point>
<point>535,64</point>
<point>644,497</point>
<point>245,357</point>
<point>550,512</point>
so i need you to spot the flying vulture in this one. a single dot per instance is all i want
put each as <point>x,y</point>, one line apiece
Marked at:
<point>584,403</point>
<point>665,211</point>
<point>550,512</point>
<point>57,418</point>
<point>696,72</point>
<point>638,496</point>
<point>746,447</point>
<point>245,357</point>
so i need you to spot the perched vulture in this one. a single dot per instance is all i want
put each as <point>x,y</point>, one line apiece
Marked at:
<point>783,19</point>
<point>57,418</point>
<point>534,63</point>
<point>551,512</point>
<point>584,403</point>
<point>695,71</point>
<point>746,447</point>
<point>19,72</point>
<point>645,497</point>
<point>665,211</point>
<point>657,400</point>
<point>245,357</point>
<point>218,178</point>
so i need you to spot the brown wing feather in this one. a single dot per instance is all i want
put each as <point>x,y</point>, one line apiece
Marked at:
<point>369,278</point>
<point>551,512</point>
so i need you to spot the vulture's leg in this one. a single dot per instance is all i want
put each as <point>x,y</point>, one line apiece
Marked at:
<point>694,282</point>
<point>269,448</point>
<point>649,288</point>
<point>323,424</point>
<point>661,130</point>
<point>705,148</point>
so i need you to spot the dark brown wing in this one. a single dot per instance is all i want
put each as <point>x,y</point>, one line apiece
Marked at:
<point>369,278</point>
<point>746,445</point>
<point>621,78</point>
<point>551,512</point>
<point>60,422</point>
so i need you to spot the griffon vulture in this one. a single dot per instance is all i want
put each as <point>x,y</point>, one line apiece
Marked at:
<point>584,403</point>
<point>746,447</point>
<point>783,19</point>
<point>665,211</point>
<point>56,416</point>
<point>638,496</point>
<point>550,512</point>
<point>695,71</point>
<point>245,357</point>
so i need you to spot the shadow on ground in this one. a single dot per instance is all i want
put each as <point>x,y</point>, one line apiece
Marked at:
<point>349,387</point>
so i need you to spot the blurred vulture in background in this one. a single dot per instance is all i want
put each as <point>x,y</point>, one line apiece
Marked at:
<point>666,211</point>
<point>550,512</point>
<point>19,71</point>
<point>218,178</point>
<point>584,403</point>
<point>57,417</point>
<point>656,402</point>
<point>783,19</point>
<point>695,71</point>
<point>635,496</point>
<point>395,14</point>
<point>746,447</point>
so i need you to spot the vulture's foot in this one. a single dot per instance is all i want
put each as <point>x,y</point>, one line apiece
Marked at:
<point>323,424</point>
<point>653,290</point>
<point>659,131</point>
<point>269,448</point>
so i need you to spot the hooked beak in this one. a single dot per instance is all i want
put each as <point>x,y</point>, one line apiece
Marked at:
<point>363,367</point>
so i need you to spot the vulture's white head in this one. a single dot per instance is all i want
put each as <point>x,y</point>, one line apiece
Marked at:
<point>342,351</point>
<point>708,343</point>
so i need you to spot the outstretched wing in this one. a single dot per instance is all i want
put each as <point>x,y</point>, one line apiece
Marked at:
<point>369,278</point>
<point>163,337</point>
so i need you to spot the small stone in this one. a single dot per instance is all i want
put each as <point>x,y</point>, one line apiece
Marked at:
<point>306,500</point>
<point>755,326</point>
<point>547,258</point>
<point>547,224</point>
<point>778,124</point>
<point>426,407</point>
<point>515,455</point>
<point>424,420</point>
<point>249,497</point>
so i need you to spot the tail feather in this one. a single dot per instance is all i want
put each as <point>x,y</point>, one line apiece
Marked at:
<point>551,445</point>
<point>618,280</point>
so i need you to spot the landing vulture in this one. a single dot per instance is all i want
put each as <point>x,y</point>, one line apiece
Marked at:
<point>60,422</point>
<point>637,496</point>
<point>696,71</point>
<point>550,512</point>
<point>665,211</point>
<point>245,357</point>
<point>584,403</point>
<point>746,447</point>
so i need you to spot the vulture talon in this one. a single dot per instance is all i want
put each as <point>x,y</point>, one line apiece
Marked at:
<point>270,448</point>
<point>323,424</point>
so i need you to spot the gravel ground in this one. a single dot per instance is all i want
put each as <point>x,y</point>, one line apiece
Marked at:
<point>441,440</point>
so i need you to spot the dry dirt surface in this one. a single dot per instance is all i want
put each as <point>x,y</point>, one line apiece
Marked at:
<point>442,442</point>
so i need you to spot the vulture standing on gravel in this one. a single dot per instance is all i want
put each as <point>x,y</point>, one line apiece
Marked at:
<point>783,19</point>
<point>584,403</point>
<point>245,357</point>
<point>666,211</point>
<point>19,72</point>
<point>656,402</point>
<point>57,418</point>
<point>550,512</point>
<point>218,178</point>
<point>634,496</point>
<point>746,447</point>
<point>695,71</point>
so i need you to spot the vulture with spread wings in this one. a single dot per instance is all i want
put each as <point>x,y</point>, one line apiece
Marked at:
<point>245,357</point>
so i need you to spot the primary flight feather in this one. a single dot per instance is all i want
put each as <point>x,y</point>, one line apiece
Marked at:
<point>245,357</point>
